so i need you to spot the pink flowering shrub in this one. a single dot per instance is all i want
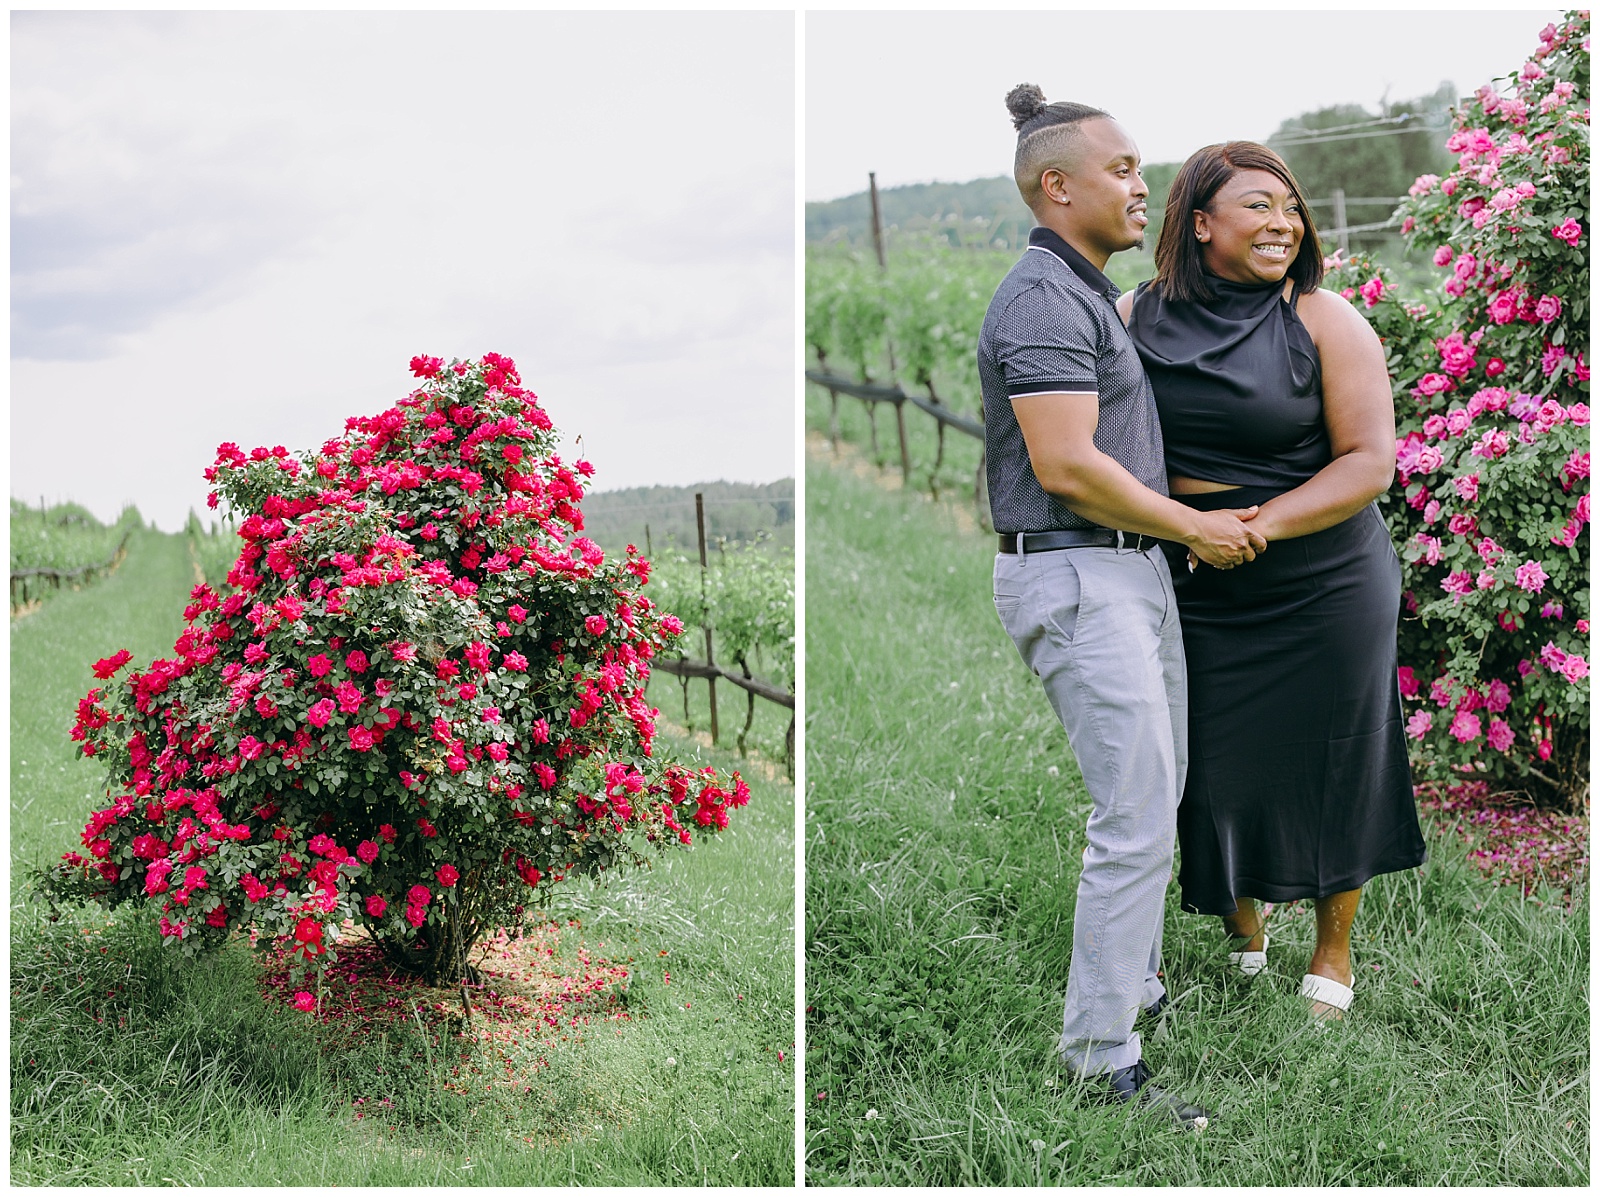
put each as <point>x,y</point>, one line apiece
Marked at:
<point>1491,503</point>
<point>417,704</point>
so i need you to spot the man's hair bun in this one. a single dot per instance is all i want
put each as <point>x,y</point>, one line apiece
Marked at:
<point>1024,102</point>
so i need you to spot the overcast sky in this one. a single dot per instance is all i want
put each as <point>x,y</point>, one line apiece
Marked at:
<point>920,97</point>
<point>241,226</point>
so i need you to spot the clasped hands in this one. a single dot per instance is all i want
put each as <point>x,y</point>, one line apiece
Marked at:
<point>1224,538</point>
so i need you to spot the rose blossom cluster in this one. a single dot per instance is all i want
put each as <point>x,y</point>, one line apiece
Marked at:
<point>421,691</point>
<point>1491,378</point>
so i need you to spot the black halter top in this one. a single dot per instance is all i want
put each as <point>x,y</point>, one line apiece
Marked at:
<point>1238,384</point>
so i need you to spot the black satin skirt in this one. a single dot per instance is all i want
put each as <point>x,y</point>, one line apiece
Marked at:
<point>1298,784</point>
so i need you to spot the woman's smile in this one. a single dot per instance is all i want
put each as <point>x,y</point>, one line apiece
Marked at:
<point>1251,229</point>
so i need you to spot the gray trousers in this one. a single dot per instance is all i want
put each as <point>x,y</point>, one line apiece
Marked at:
<point>1100,628</point>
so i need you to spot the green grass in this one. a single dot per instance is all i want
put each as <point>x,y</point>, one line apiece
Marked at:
<point>130,1067</point>
<point>945,822</point>
<point>139,608</point>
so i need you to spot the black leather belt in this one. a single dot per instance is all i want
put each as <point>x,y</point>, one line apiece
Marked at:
<point>1075,538</point>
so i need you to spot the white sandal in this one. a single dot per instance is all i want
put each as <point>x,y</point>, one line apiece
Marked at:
<point>1251,963</point>
<point>1327,991</point>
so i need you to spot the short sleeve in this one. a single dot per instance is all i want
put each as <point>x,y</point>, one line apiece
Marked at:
<point>1046,340</point>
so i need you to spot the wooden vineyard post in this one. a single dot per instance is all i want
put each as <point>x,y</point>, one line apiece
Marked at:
<point>883,258</point>
<point>905,454</point>
<point>700,529</point>
<point>877,219</point>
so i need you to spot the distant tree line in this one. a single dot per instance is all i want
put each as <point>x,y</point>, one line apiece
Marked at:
<point>662,517</point>
<point>1372,154</point>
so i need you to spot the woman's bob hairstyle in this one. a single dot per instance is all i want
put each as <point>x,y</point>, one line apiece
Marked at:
<point>1179,273</point>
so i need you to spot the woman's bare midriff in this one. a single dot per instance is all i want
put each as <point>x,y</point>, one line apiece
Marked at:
<point>1196,486</point>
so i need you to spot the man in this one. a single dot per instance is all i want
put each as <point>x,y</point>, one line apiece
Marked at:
<point>1078,491</point>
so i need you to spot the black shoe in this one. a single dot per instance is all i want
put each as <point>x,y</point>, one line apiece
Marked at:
<point>1130,1084</point>
<point>1154,1009</point>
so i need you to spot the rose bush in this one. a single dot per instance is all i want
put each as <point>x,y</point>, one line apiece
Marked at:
<point>417,704</point>
<point>1491,501</point>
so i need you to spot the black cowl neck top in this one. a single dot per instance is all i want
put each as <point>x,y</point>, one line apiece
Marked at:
<point>1238,384</point>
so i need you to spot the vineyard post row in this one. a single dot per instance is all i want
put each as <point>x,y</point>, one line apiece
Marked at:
<point>871,394</point>
<point>21,577</point>
<point>711,671</point>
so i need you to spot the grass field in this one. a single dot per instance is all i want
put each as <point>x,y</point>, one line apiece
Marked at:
<point>945,822</point>
<point>128,1067</point>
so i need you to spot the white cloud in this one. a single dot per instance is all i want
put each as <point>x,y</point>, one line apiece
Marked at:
<point>241,226</point>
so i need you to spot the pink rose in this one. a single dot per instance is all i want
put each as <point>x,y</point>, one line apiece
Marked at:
<point>1568,230</point>
<point>1431,384</point>
<point>1550,414</point>
<point>1491,444</point>
<point>1531,577</point>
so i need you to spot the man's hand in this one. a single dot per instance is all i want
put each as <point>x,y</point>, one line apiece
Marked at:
<point>1223,539</point>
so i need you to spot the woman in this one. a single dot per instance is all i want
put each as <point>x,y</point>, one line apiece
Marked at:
<point>1274,392</point>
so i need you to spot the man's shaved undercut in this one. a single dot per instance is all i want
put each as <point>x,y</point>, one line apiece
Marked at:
<point>1048,136</point>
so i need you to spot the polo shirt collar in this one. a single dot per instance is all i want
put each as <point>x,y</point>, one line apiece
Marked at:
<point>1049,239</point>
